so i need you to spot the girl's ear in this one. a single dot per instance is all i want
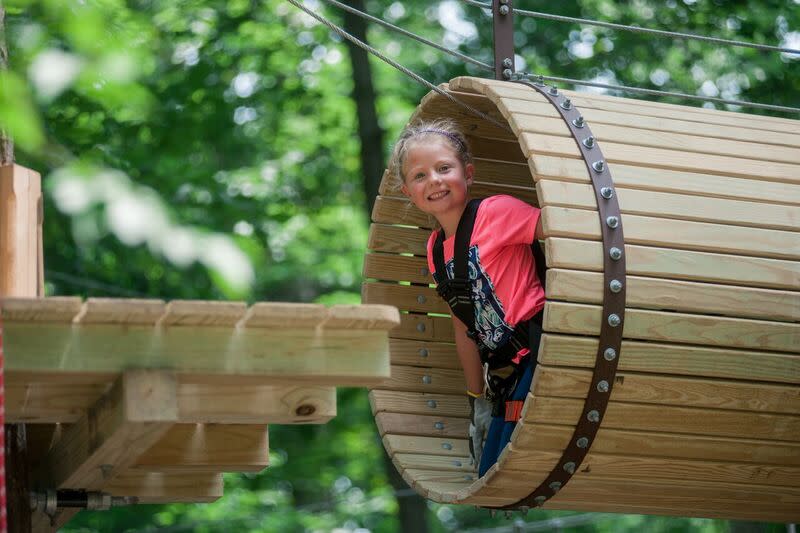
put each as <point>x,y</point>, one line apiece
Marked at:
<point>469,173</point>
<point>404,190</point>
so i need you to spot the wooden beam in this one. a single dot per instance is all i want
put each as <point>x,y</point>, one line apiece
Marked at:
<point>20,220</point>
<point>137,411</point>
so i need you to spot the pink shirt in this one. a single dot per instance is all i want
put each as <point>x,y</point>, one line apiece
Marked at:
<point>505,288</point>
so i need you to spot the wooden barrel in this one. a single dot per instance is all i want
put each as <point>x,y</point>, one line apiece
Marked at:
<point>704,415</point>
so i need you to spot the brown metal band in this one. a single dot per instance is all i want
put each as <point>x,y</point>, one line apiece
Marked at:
<point>608,351</point>
<point>503,36</point>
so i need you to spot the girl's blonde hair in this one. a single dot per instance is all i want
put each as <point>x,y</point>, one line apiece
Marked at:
<point>445,129</point>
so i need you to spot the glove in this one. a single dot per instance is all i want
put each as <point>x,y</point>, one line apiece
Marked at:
<point>480,416</point>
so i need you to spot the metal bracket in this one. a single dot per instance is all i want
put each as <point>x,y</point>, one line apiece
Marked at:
<point>503,26</point>
<point>614,284</point>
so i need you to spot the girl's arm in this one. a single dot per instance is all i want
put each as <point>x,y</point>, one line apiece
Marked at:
<point>469,357</point>
<point>538,235</point>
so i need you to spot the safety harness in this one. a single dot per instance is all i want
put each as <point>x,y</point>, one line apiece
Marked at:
<point>457,292</point>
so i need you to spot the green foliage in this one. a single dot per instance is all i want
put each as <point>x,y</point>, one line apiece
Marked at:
<point>207,149</point>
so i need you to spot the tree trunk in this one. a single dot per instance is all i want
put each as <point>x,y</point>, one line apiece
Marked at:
<point>369,131</point>
<point>6,144</point>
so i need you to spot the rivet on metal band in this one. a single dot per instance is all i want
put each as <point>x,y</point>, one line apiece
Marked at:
<point>607,192</point>
<point>569,467</point>
<point>615,253</point>
<point>540,500</point>
<point>593,416</point>
<point>588,142</point>
<point>615,286</point>
<point>579,122</point>
<point>612,222</point>
<point>614,320</point>
<point>553,90</point>
<point>566,104</point>
<point>599,166</point>
<point>555,486</point>
<point>582,442</point>
<point>610,354</point>
<point>602,386</point>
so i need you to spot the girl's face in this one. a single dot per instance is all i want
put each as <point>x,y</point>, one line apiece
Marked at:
<point>435,179</point>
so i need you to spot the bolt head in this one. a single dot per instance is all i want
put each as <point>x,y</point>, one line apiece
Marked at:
<point>602,386</point>
<point>423,352</point>
<point>566,104</point>
<point>593,416</point>
<point>569,467</point>
<point>447,446</point>
<point>615,286</point>
<point>610,354</point>
<point>555,486</point>
<point>421,299</point>
<point>615,253</point>
<point>508,63</point>
<point>614,320</point>
<point>588,142</point>
<point>612,222</point>
<point>579,122</point>
<point>507,73</point>
<point>540,500</point>
<point>582,442</point>
<point>421,327</point>
<point>432,404</point>
<point>599,166</point>
<point>606,192</point>
<point>438,425</point>
<point>553,90</point>
<point>504,10</point>
<point>539,81</point>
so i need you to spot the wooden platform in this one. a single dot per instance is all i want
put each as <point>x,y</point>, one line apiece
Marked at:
<point>704,418</point>
<point>155,400</point>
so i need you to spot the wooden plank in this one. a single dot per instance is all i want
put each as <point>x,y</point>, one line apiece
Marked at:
<point>200,313</point>
<point>434,462</point>
<point>423,353</point>
<point>634,443</point>
<point>391,267</point>
<point>534,144</point>
<point>675,206</point>
<point>606,466</point>
<point>427,481</point>
<point>40,310</point>
<point>270,315</point>
<point>20,199</point>
<point>422,403</point>
<point>670,181</point>
<point>159,487</point>
<point>435,106</point>
<point>396,239</point>
<point>47,403</point>
<point>425,445</point>
<point>138,410</point>
<point>673,391</point>
<point>678,264</point>
<point>683,296</point>
<point>424,327</point>
<point>643,324</point>
<point>526,112</point>
<point>698,361</point>
<point>680,234</point>
<point>421,426</point>
<point>208,448</point>
<point>428,380</point>
<point>669,419</point>
<point>406,297</point>
<point>129,311</point>
<point>506,91</point>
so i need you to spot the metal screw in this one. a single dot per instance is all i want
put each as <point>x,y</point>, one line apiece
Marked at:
<point>524,510</point>
<point>569,467</point>
<point>439,425</point>
<point>593,416</point>
<point>504,10</point>
<point>507,73</point>
<point>421,299</point>
<point>555,486</point>
<point>423,352</point>
<point>610,354</point>
<point>508,63</point>
<point>614,320</point>
<point>468,477</point>
<point>602,386</point>
<point>612,222</point>
<point>447,446</point>
<point>540,500</point>
<point>615,286</point>
<point>582,442</point>
<point>421,327</point>
<point>599,166</point>
<point>426,380</point>
<point>424,271</point>
<point>456,462</point>
<point>615,253</point>
<point>566,104</point>
<point>504,2</point>
<point>588,142</point>
<point>579,122</point>
<point>432,404</point>
<point>553,90</point>
<point>539,81</point>
<point>606,192</point>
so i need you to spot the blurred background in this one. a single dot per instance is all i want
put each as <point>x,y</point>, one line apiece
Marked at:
<point>232,149</point>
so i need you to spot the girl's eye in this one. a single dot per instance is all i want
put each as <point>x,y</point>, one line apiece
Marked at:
<point>444,168</point>
<point>419,176</point>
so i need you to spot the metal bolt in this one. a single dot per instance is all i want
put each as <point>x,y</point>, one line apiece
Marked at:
<point>553,90</point>
<point>468,477</point>
<point>507,73</point>
<point>555,486</point>
<point>606,192</point>
<point>504,10</point>
<point>504,2</point>
<point>540,500</point>
<point>421,299</point>
<point>593,416</point>
<point>426,380</point>
<point>588,142</point>
<point>456,462</point>
<point>524,510</point>
<point>579,122</point>
<point>424,271</point>
<point>566,104</point>
<point>508,63</point>
<point>569,467</point>
<point>615,253</point>
<point>614,320</point>
<point>582,442</point>
<point>539,81</point>
<point>492,512</point>
<point>610,354</point>
<point>602,386</point>
<point>599,166</point>
<point>423,352</point>
<point>447,446</point>
<point>438,425</point>
<point>615,286</point>
<point>421,327</point>
<point>432,404</point>
<point>612,222</point>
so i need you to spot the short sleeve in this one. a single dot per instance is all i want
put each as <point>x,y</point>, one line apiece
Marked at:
<point>431,240</point>
<point>508,220</point>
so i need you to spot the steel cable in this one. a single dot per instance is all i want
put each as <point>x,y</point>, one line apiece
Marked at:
<point>416,77</point>
<point>376,20</point>
<point>638,29</point>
